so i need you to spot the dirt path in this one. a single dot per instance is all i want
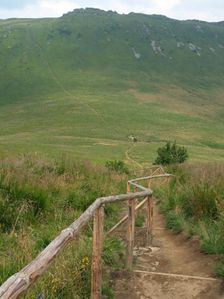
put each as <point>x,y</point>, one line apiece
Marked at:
<point>172,268</point>
<point>131,160</point>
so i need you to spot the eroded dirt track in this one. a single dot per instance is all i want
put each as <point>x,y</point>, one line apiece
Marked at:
<point>171,268</point>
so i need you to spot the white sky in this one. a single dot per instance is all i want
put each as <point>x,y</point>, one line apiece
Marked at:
<point>208,10</point>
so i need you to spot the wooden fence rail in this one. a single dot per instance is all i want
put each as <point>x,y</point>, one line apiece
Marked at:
<point>21,281</point>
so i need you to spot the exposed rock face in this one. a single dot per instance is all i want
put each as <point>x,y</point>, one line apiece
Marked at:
<point>137,55</point>
<point>156,49</point>
<point>180,44</point>
<point>194,49</point>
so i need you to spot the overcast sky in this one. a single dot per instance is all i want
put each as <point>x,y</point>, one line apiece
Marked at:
<point>208,10</point>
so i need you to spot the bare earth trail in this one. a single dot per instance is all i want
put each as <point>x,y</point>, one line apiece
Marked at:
<point>131,160</point>
<point>172,268</point>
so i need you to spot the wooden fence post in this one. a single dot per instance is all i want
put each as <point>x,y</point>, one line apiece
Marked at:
<point>149,212</point>
<point>96,283</point>
<point>149,183</point>
<point>130,231</point>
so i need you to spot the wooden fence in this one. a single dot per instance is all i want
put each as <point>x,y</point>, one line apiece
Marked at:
<point>21,281</point>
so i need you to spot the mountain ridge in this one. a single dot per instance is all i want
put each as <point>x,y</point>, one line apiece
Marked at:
<point>100,12</point>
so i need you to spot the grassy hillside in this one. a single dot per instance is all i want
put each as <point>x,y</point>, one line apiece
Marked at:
<point>82,83</point>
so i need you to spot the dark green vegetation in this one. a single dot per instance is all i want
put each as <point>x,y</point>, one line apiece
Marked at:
<point>82,83</point>
<point>117,165</point>
<point>194,202</point>
<point>38,199</point>
<point>171,153</point>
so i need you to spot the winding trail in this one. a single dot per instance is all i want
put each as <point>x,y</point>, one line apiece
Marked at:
<point>171,268</point>
<point>131,160</point>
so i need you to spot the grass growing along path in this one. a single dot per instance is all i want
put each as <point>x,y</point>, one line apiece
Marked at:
<point>194,203</point>
<point>39,198</point>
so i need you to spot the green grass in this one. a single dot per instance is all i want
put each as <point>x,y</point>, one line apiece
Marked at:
<point>71,89</point>
<point>220,268</point>
<point>73,86</point>
<point>38,199</point>
<point>140,220</point>
<point>194,203</point>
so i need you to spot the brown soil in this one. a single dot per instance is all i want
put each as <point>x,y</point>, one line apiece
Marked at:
<point>169,254</point>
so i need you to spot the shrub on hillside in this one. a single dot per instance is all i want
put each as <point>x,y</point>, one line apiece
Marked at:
<point>171,153</point>
<point>117,165</point>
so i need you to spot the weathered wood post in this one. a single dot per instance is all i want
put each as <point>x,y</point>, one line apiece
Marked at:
<point>149,184</point>
<point>168,180</point>
<point>96,283</point>
<point>130,230</point>
<point>149,213</point>
<point>128,187</point>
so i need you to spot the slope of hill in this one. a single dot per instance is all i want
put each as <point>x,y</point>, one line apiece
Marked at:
<point>82,83</point>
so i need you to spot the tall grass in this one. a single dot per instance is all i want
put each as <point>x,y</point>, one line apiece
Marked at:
<point>39,198</point>
<point>194,202</point>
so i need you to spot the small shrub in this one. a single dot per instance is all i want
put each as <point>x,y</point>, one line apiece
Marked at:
<point>81,200</point>
<point>173,221</point>
<point>171,153</point>
<point>107,292</point>
<point>117,165</point>
<point>199,201</point>
<point>212,237</point>
<point>219,269</point>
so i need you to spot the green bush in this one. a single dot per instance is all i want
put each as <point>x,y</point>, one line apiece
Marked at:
<point>212,236</point>
<point>107,292</point>
<point>199,201</point>
<point>171,153</point>
<point>83,198</point>
<point>173,221</point>
<point>220,267</point>
<point>117,165</point>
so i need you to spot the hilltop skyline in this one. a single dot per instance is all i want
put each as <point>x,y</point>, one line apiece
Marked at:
<point>206,10</point>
